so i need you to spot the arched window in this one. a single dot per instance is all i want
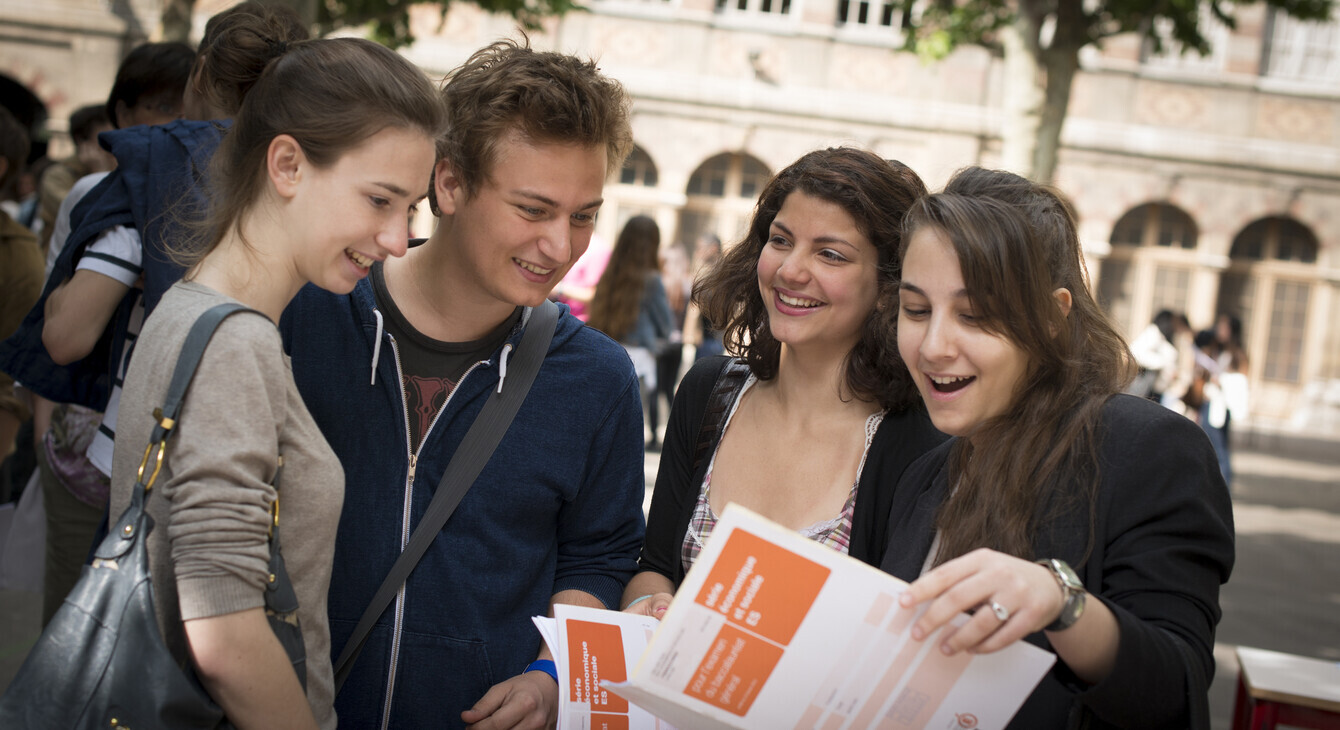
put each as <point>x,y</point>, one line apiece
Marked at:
<point>638,169</point>
<point>1150,266</point>
<point>721,193</point>
<point>1269,285</point>
<point>1155,224</point>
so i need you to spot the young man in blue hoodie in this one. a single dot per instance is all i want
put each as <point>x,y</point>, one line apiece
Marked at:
<point>396,372</point>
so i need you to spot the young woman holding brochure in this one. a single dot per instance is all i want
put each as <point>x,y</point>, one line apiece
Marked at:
<point>785,428</point>
<point>1064,513</point>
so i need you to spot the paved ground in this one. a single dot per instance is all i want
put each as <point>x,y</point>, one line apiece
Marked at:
<point>1284,595</point>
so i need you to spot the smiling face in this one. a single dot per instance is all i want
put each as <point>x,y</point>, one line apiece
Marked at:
<point>356,211</point>
<point>817,274</point>
<point>965,373</point>
<point>528,221</point>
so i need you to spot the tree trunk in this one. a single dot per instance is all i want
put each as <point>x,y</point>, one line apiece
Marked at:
<point>1061,67</point>
<point>176,20</point>
<point>1038,80</point>
<point>1025,90</point>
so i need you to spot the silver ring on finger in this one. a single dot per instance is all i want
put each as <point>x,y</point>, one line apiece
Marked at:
<point>1001,612</point>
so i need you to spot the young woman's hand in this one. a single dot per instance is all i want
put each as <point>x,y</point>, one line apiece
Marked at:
<point>1009,598</point>
<point>648,594</point>
<point>653,605</point>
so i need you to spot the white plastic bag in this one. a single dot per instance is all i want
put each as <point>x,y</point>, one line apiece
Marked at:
<point>23,540</point>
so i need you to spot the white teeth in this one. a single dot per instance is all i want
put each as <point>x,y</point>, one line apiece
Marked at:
<point>359,258</point>
<point>949,380</point>
<point>797,302</point>
<point>533,268</point>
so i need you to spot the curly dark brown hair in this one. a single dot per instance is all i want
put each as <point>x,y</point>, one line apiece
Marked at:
<point>876,193</point>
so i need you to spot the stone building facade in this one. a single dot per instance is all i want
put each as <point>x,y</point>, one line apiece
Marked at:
<point>1204,185</point>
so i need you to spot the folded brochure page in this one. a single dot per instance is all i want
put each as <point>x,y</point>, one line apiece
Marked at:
<point>592,645</point>
<point>771,630</point>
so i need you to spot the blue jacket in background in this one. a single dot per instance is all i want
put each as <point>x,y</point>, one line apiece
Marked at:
<point>557,507</point>
<point>155,188</point>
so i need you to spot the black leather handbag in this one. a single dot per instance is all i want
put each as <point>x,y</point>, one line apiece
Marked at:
<point>101,662</point>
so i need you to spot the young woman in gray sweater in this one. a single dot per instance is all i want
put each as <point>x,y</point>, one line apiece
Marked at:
<point>313,183</point>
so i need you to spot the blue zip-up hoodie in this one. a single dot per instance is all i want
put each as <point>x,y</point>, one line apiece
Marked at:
<point>155,187</point>
<point>557,507</point>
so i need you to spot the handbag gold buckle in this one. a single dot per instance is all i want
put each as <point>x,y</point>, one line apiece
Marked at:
<point>158,464</point>
<point>167,425</point>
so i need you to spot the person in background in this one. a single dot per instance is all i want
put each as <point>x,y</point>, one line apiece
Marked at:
<point>631,306</point>
<point>21,280</point>
<point>579,284</point>
<point>397,372</point>
<point>313,182</point>
<point>1223,364</point>
<point>817,389</point>
<point>118,251</point>
<point>678,284</point>
<point>698,330</point>
<point>1155,356</point>
<point>1063,512</point>
<point>86,123</point>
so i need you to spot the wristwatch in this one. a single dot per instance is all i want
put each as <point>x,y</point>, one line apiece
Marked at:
<point>1072,589</point>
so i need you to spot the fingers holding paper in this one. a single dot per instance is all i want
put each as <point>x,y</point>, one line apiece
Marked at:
<point>1008,598</point>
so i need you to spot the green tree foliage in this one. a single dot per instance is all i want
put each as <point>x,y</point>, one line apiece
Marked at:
<point>387,20</point>
<point>1040,41</point>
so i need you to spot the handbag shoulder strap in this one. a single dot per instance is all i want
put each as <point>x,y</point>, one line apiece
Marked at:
<point>165,420</point>
<point>471,455</point>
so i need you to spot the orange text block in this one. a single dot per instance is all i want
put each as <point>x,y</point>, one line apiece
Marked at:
<point>595,653</point>
<point>733,672</point>
<point>762,586</point>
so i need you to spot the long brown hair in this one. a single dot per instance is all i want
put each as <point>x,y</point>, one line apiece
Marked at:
<point>1016,244</point>
<point>328,94</point>
<point>876,193</point>
<point>618,295</point>
<point>237,46</point>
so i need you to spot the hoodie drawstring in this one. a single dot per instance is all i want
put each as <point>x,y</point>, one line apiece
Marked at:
<point>502,365</point>
<point>377,345</point>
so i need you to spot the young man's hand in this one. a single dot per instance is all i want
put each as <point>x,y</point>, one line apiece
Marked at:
<point>525,702</point>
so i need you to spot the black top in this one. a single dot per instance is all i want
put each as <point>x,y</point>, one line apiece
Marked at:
<point>431,368</point>
<point>1163,545</point>
<point>901,438</point>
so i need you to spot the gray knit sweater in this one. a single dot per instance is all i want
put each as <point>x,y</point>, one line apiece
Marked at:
<point>208,550</point>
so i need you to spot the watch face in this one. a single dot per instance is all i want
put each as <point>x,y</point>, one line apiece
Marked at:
<point>1067,575</point>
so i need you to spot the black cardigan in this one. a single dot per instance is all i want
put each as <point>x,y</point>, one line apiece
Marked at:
<point>901,438</point>
<point>1163,546</point>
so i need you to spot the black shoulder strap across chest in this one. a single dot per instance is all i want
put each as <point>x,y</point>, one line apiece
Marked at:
<point>719,402</point>
<point>469,460</point>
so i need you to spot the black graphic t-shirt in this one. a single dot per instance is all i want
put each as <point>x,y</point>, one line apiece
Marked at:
<point>431,368</point>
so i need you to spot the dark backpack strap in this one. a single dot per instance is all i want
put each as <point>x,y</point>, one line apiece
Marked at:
<point>719,402</point>
<point>471,455</point>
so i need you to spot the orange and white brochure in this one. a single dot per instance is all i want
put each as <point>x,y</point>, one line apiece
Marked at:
<point>771,631</point>
<point>592,646</point>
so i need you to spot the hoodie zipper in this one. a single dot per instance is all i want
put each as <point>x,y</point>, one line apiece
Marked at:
<point>398,624</point>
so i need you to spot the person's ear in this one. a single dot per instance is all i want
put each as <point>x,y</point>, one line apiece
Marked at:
<point>284,164</point>
<point>447,188</point>
<point>122,112</point>
<point>1063,300</point>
